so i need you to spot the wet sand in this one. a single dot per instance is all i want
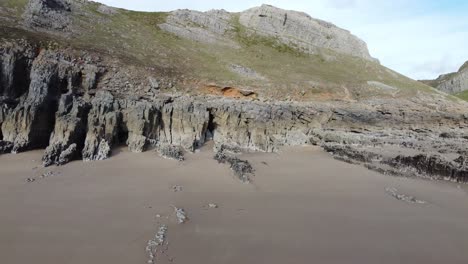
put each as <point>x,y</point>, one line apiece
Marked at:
<point>302,207</point>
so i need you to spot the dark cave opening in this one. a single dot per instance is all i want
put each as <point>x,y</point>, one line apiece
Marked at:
<point>211,128</point>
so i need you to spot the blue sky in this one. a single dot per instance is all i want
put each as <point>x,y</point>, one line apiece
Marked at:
<point>419,38</point>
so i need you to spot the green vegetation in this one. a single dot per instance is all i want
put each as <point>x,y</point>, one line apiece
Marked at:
<point>249,38</point>
<point>463,95</point>
<point>19,4</point>
<point>136,38</point>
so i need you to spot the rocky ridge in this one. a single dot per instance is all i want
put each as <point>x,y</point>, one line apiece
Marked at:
<point>295,29</point>
<point>452,83</point>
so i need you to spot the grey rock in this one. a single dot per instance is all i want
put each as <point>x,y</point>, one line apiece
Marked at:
<point>245,72</point>
<point>30,123</point>
<point>15,66</point>
<point>300,30</point>
<point>241,168</point>
<point>295,29</point>
<point>403,197</point>
<point>171,152</point>
<point>434,165</point>
<point>5,146</point>
<point>153,83</point>
<point>103,124</point>
<point>48,14</point>
<point>452,83</point>
<point>181,215</point>
<point>69,134</point>
<point>107,10</point>
<point>154,245</point>
<point>213,26</point>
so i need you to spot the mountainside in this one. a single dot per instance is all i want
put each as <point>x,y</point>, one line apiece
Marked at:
<point>274,52</point>
<point>453,83</point>
<point>79,78</point>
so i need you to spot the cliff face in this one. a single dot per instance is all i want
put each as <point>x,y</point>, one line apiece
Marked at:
<point>66,87</point>
<point>294,29</point>
<point>300,30</point>
<point>452,83</point>
<point>58,106</point>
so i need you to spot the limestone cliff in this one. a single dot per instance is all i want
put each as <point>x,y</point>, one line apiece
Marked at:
<point>452,83</point>
<point>295,29</point>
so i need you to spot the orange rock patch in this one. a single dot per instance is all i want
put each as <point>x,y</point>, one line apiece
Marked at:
<point>231,92</point>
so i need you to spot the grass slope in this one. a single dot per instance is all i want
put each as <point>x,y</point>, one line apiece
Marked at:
<point>136,37</point>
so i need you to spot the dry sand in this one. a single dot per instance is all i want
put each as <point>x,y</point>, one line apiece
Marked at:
<point>302,207</point>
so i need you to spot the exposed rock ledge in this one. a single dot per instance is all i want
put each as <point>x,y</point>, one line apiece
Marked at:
<point>59,106</point>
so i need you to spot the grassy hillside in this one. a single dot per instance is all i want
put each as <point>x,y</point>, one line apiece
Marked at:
<point>136,38</point>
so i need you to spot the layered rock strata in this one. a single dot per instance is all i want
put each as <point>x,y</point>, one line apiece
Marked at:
<point>63,102</point>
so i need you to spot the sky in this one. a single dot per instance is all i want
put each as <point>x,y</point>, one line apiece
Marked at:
<point>419,38</point>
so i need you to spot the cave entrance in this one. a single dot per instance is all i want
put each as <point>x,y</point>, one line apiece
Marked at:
<point>211,128</point>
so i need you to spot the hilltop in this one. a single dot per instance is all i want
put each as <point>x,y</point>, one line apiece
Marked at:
<point>455,83</point>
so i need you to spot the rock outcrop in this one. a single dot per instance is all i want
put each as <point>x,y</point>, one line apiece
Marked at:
<point>294,29</point>
<point>69,133</point>
<point>418,153</point>
<point>48,14</point>
<point>80,104</point>
<point>103,125</point>
<point>214,26</point>
<point>298,29</point>
<point>452,83</point>
<point>29,125</point>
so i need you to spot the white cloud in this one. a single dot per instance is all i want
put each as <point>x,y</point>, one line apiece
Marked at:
<point>419,38</point>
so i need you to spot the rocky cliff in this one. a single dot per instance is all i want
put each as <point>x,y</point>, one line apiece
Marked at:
<point>79,100</point>
<point>452,83</point>
<point>294,29</point>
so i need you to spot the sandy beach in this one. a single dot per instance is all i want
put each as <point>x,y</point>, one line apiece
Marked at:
<point>301,207</point>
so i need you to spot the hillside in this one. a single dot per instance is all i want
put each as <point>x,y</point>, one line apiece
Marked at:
<point>275,53</point>
<point>455,83</point>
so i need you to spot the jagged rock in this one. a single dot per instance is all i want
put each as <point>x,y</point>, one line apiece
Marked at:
<point>154,245</point>
<point>432,165</point>
<point>69,134</point>
<point>213,26</point>
<point>181,215</point>
<point>48,14</point>
<point>452,83</point>
<point>143,123</point>
<point>103,124</point>
<point>350,154</point>
<point>30,123</point>
<point>300,30</point>
<point>5,146</point>
<point>172,152</point>
<point>292,28</point>
<point>242,168</point>
<point>184,123</point>
<point>15,66</point>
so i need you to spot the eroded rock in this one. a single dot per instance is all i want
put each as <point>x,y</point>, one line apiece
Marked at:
<point>103,123</point>
<point>67,140</point>
<point>48,14</point>
<point>242,168</point>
